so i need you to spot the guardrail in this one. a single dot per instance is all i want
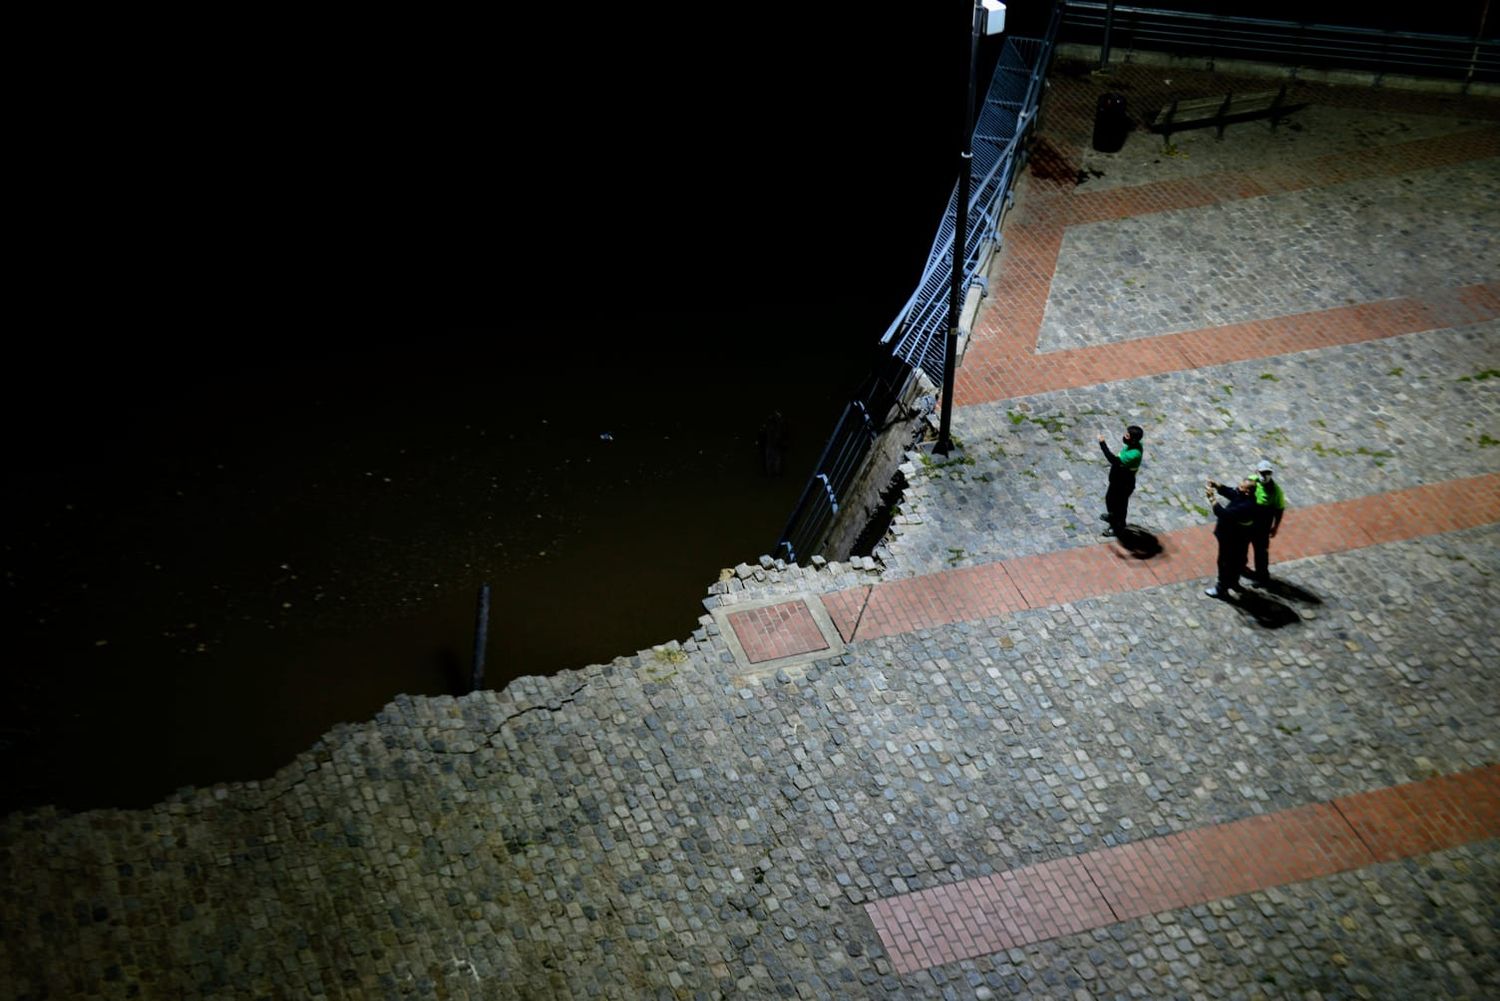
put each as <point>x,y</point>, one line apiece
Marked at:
<point>1289,43</point>
<point>917,338</point>
<point>853,438</point>
<point>919,332</point>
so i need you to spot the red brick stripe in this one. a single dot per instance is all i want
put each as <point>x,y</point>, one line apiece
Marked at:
<point>995,368</point>
<point>1070,575</point>
<point>989,914</point>
<point>1002,363</point>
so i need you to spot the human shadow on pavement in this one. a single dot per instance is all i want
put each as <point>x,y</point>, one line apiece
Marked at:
<point>1139,543</point>
<point>1289,591</point>
<point>1267,612</point>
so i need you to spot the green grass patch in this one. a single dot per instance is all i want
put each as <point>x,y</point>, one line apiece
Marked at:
<point>1277,436</point>
<point>1051,423</point>
<point>941,462</point>
<point>1324,451</point>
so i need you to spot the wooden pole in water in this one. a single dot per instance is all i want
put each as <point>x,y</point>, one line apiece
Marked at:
<point>481,636</point>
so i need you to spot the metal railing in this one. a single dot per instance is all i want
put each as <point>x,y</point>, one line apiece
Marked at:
<point>843,457</point>
<point>919,332</point>
<point>917,338</point>
<point>1286,43</point>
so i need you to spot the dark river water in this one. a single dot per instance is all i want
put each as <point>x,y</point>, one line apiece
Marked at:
<point>325,348</point>
<point>201,586</point>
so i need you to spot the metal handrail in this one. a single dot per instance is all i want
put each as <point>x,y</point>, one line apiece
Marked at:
<point>1009,109</point>
<point>915,338</point>
<point>842,457</point>
<point>1291,43</point>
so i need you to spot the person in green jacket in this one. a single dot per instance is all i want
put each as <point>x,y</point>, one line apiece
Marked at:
<point>1122,469</point>
<point>1270,505</point>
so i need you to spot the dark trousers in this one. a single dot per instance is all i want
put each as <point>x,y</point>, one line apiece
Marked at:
<point>1260,542</point>
<point>1231,559</point>
<point>1117,501</point>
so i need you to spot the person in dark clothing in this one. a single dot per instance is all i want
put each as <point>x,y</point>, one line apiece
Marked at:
<point>1236,522</point>
<point>1270,506</point>
<point>1122,469</point>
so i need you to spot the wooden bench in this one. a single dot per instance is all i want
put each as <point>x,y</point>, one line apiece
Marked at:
<point>1221,111</point>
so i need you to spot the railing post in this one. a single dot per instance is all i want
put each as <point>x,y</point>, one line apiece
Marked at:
<point>481,636</point>
<point>1109,21</point>
<point>1484,17</point>
<point>960,239</point>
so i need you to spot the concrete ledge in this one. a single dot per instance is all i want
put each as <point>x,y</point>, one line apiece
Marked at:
<point>970,311</point>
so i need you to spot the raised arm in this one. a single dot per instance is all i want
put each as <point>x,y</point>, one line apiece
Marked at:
<point>1114,460</point>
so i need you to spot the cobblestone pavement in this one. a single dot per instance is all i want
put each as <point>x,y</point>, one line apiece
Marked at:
<point>1291,253</point>
<point>1337,423</point>
<point>663,827</point>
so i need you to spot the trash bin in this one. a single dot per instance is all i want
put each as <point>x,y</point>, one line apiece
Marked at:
<point>1110,123</point>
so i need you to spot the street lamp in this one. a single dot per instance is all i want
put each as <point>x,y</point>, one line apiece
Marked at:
<point>988,17</point>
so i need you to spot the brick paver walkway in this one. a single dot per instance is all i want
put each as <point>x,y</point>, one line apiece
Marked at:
<point>994,374</point>
<point>1069,895</point>
<point>1003,361</point>
<point>1004,587</point>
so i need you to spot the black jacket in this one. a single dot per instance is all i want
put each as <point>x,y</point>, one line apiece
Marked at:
<point>1122,467</point>
<point>1237,517</point>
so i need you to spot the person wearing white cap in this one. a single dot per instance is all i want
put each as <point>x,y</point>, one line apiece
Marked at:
<point>1270,505</point>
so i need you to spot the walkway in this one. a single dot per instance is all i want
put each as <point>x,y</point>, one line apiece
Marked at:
<point>1004,363</point>
<point>1110,885</point>
<point>769,633</point>
<point>1008,363</point>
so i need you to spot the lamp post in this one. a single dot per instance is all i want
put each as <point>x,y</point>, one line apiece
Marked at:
<point>987,16</point>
